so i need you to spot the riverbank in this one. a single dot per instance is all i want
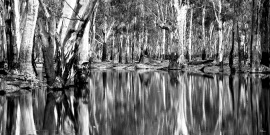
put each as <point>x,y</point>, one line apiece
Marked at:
<point>197,66</point>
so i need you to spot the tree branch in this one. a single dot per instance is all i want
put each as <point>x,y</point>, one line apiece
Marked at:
<point>44,9</point>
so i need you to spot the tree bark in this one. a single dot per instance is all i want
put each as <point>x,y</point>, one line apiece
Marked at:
<point>16,26</point>
<point>220,31</point>
<point>239,48</point>
<point>25,57</point>
<point>48,50</point>
<point>265,33</point>
<point>203,34</point>
<point>181,11</point>
<point>232,48</point>
<point>252,34</point>
<point>84,46</point>
<point>190,35</point>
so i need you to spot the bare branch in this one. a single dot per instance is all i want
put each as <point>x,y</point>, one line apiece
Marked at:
<point>44,9</point>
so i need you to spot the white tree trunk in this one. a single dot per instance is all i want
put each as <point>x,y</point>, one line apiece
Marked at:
<point>25,58</point>
<point>190,35</point>
<point>181,11</point>
<point>210,36</point>
<point>220,40</point>
<point>203,27</point>
<point>17,25</point>
<point>84,46</point>
<point>67,11</point>
<point>220,32</point>
<point>163,42</point>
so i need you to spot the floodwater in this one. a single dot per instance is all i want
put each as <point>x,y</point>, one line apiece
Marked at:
<point>143,103</point>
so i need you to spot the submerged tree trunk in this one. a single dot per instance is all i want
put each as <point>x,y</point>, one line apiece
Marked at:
<point>25,58</point>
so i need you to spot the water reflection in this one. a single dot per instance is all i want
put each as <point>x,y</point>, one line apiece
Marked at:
<point>143,103</point>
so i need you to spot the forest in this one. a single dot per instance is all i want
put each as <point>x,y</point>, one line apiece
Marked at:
<point>64,35</point>
<point>107,67</point>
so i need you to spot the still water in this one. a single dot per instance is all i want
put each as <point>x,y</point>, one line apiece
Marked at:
<point>143,103</point>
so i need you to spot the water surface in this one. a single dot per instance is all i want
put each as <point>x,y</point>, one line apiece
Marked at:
<point>143,103</point>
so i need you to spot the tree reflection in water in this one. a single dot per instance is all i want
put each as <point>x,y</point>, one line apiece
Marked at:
<point>142,103</point>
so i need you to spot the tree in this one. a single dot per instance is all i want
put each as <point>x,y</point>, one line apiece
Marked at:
<point>265,33</point>
<point>252,33</point>
<point>181,11</point>
<point>217,5</point>
<point>25,58</point>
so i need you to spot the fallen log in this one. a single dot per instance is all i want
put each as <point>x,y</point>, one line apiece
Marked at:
<point>199,62</point>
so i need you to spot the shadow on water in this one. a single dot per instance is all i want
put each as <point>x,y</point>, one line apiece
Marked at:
<point>142,103</point>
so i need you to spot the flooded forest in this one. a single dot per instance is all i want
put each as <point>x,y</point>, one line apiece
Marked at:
<point>134,67</point>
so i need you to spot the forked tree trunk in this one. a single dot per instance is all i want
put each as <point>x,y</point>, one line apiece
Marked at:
<point>25,58</point>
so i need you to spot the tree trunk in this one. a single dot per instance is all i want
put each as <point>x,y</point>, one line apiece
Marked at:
<point>93,40</point>
<point>104,52</point>
<point>181,11</point>
<point>163,43</point>
<point>203,34</point>
<point>210,38</point>
<point>2,48</point>
<point>220,44</point>
<point>25,57</point>
<point>265,33</point>
<point>112,51</point>
<point>133,47</point>
<point>120,49</point>
<point>8,17</point>
<point>16,26</point>
<point>232,48</point>
<point>83,51</point>
<point>220,31</point>
<point>239,48</point>
<point>252,34</point>
<point>190,35</point>
<point>127,47</point>
<point>48,49</point>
